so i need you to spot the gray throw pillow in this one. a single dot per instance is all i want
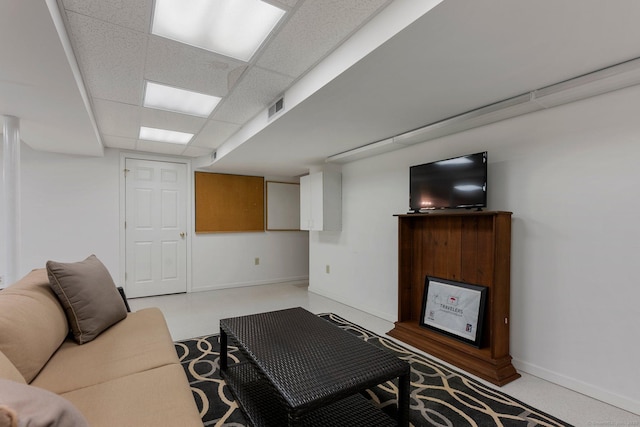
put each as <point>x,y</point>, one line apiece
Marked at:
<point>88,295</point>
<point>28,406</point>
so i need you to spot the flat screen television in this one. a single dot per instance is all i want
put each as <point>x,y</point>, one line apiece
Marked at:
<point>459,182</point>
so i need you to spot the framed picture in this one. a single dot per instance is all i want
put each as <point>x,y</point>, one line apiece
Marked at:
<point>454,308</point>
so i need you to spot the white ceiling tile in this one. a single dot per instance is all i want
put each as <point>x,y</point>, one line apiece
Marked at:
<point>192,151</point>
<point>214,133</point>
<point>234,76</point>
<point>111,58</point>
<point>119,142</point>
<point>257,89</point>
<point>172,121</point>
<point>133,14</point>
<point>191,68</point>
<point>316,28</point>
<point>160,147</point>
<point>117,119</point>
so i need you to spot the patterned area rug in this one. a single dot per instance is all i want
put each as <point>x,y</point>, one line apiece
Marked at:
<point>440,396</point>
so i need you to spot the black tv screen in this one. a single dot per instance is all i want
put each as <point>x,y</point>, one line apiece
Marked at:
<point>459,182</point>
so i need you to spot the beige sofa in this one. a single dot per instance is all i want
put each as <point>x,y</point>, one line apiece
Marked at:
<point>129,375</point>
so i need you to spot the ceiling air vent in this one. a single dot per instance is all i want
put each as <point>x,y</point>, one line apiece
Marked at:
<point>276,107</point>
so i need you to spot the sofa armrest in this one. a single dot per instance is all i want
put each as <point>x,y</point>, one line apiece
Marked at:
<point>124,298</point>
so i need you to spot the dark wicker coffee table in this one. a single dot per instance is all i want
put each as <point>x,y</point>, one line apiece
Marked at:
<point>303,370</point>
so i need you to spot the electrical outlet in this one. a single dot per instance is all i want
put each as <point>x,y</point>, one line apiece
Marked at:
<point>256,261</point>
<point>328,269</point>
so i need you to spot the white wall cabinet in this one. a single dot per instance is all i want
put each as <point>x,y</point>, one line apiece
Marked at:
<point>321,201</point>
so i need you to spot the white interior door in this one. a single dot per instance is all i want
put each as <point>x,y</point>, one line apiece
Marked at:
<point>155,227</point>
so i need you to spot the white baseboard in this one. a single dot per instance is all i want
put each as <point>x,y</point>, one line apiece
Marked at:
<point>342,300</point>
<point>622,402</point>
<point>290,280</point>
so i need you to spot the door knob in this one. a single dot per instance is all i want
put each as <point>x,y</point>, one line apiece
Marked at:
<point>182,234</point>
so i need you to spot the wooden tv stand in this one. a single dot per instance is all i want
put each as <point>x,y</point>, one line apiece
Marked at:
<point>471,247</point>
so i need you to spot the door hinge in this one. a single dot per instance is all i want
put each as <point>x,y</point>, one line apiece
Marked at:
<point>125,225</point>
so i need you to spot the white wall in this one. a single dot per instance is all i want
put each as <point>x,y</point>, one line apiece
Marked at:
<point>570,176</point>
<point>70,209</point>
<point>224,260</point>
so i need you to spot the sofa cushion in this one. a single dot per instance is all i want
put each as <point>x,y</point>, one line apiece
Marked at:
<point>138,343</point>
<point>34,406</point>
<point>8,371</point>
<point>90,299</point>
<point>155,398</point>
<point>32,323</point>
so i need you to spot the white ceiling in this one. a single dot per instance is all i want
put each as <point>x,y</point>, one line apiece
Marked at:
<point>459,56</point>
<point>37,83</point>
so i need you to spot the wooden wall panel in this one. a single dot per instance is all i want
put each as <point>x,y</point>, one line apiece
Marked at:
<point>478,250</point>
<point>442,247</point>
<point>472,247</point>
<point>406,280</point>
<point>228,203</point>
<point>418,268</point>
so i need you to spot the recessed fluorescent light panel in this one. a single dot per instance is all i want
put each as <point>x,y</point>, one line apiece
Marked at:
<point>179,100</point>
<point>163,135</point>
<point>234,28</point>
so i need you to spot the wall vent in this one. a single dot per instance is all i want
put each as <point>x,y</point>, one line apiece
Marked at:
<point>276,107</point>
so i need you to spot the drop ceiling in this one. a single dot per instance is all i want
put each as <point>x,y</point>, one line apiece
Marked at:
<point>459,56</point>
